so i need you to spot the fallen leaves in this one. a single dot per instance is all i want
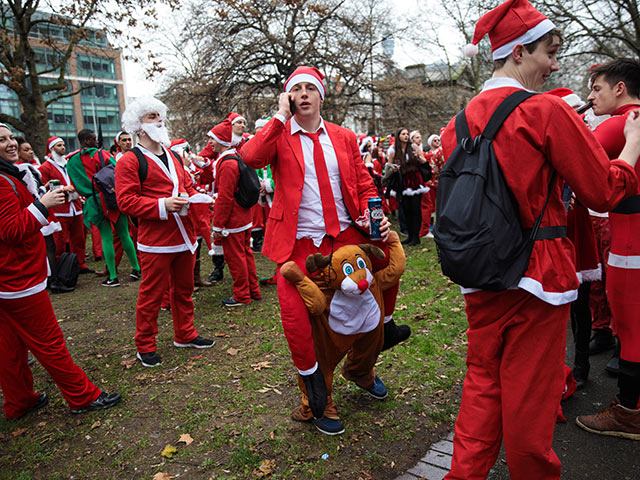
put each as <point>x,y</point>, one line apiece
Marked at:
<point>169,451</point>
<point>18,432</point>
<point>268,388</point>
<point>186,439</point>
<point>128,363</point>
<point>95,424</point>
<point>265,469</point>
<point>222,335</point>
<point>100,330</point>
<point>162,476</point>
<point>232,351</point>
<point>260,365</point>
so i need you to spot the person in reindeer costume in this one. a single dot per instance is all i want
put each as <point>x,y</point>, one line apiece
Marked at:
<point>346,308</point>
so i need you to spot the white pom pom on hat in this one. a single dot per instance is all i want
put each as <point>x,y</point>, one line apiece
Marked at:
<point>470,50</point>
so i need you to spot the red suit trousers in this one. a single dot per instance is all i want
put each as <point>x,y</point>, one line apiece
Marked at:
<point>598,302</point>
<point>428,207</point>
<point>293,312</point>
<point>242,266</point>
<point>29,323</point>
<point>162,271</point>
<point>72,233</point>
<point>622,291</point>
<point>513,386</point>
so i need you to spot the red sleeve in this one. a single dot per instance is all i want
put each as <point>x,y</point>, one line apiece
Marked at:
<point>261,149</point>
<point>129,191</point>
<point>206,174</point>
<point>610,134</point>
<point>17,223</point>
<point>227,176</point>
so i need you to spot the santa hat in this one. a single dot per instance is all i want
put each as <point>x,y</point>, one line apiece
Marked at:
<point>52,142</point>
<point>431,139</point>
<point>510,23</point>
<point>568,96</point>
<point>306,74</point>
<point>236,117</point>
<point>220,134</point>
<point>366,141</point>
<point>179,143</point>
<point>413,134</point>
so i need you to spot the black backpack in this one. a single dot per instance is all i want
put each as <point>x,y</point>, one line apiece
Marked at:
<point>480,241</point>
<point>68,269</point>
<point>105,181</point>
<point>248,184</point>
<point>143,165</point>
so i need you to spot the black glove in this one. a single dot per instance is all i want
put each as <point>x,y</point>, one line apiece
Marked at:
<point>316,391</point>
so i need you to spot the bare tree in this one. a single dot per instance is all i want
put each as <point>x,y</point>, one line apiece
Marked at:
<point>242,51</point>
<point>59,28</point>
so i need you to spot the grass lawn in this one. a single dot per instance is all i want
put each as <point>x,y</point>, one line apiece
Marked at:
<point>235,399</point>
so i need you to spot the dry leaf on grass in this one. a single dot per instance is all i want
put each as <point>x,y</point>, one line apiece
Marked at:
<point>128,363</point>
<point>401,307</point>
<point>100,330</point>
<point>265,469</point>
<point>162,476</point>
<point>95,424</point>
<point>18,432</point>
<point>222,335</point>
<point>260,365</point>
<point>169,451</point>
<point>186,438</point>
<point>232,351</point>
<point>196,357</point>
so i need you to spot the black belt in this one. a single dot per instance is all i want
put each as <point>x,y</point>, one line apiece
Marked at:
<point>547,233</point>
<point>628,206</point>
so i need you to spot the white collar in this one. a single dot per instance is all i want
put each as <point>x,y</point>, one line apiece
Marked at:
<point>500,82</point>
<point>295,127</point>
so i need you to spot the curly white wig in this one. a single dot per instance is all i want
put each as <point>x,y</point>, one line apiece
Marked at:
<point>139,108</point>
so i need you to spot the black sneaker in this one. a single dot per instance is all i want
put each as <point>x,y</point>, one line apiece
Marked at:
<point>135,274</point>
<point>150,359</point>
<point>197,342</point>
<point>111,283</point>
<point>43,399</point>
<point>86,270</point>
<point>328,426</point>
<point>232,302</point>
<point>105,400</point>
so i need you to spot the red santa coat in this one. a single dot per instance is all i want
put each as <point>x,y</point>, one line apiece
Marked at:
<point>50,170</point>
<point>159,231</point>
<point>528,156</point>
<point>623,273</point>
<point>23,263</point>
<point>228,215</point>
<point>275,145</point>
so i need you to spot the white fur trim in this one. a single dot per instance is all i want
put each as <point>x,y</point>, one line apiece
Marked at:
<point>310,371</point>
<point>24,293</point>
<point>302,78</point>
<point>531,35</point>
<point>163,209</point>
<point>54,142</point>
<point>409,192</point>
<point>52,227</point>
<point>592,275</point>
<point>221,142</point>
<point>38,214</point>
<point>573,100</point>
<point>163,249</point>
<point>536,289</point>
<point>630,262</point>
<point>237,119</point>
<point>261,122</point>
<point>388,318</point>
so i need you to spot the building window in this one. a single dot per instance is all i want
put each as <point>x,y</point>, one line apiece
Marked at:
<point>47,59</point>
<point>105,116</point>
<point>96,67</point>
<point>100,94</point>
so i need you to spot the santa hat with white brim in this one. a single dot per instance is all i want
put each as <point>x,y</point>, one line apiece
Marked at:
<point>306,74</point>
<point>509,24</point>
<point>52,142</point>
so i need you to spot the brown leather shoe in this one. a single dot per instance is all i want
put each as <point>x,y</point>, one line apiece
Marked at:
<point>615,421</point>
<point>201,282</point>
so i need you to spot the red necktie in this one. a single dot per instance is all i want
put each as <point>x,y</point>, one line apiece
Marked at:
<point>329,212</point>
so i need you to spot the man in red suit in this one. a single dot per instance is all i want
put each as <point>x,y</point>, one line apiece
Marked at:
<point>517,337</point>
<point>615,90</point>
<point>166,234</point>
<point>69,214</point>
<point>231,221</point>
<point>323,190</point>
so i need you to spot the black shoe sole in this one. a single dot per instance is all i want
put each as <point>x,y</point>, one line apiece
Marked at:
<point>148,365</point>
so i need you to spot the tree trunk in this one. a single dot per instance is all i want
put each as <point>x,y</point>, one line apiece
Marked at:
<point>34,116</point>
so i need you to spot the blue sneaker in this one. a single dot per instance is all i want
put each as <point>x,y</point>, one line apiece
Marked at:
<point>328,426</point>
<point>378,391</point>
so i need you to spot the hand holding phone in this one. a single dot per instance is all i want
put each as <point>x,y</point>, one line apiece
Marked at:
<point>292,106</point>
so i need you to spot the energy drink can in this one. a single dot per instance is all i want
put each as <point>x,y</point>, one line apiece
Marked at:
<point>376,214</point>
<point>54,185</point>
<point>184,211</point>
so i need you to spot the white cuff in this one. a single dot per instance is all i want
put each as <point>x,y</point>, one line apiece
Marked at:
<point>38,214</point>
<point>280,117</point>
<point>163,209</point>
<point>268,186</point>
<point>311,371</point>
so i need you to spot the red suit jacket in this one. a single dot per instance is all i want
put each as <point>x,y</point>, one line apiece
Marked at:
<point>50,170</point>
<point>275,145</point>
<point>227,213</point>
<point>159,231</point>
<point>23,263</point>
<point>544,134</point>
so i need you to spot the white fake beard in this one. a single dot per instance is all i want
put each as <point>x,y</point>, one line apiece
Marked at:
<point>59,159</point>
<point>157,132</point>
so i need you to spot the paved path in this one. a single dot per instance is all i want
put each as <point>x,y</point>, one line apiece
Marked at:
<point>583,455</point>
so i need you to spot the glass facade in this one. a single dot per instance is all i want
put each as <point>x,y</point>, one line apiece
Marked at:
<point>95,67</point>
<point>105,116</point>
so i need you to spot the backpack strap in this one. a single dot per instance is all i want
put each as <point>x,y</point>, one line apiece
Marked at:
<point>101,157</point>
<point>11,182</point>
<point>143,166</point>
<point>507,106</point>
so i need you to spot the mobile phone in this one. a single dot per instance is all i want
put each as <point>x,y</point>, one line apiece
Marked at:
<point>292,106</point>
